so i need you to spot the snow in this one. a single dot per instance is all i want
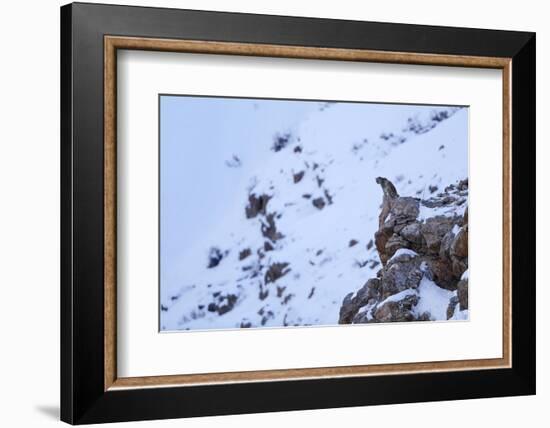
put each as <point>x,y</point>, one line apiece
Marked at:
<point>466,274</point>
<point>343,148</point>
<point>459,315</point>
<point>433,299</point>
<point>445,211</point>
<point>456,229</point>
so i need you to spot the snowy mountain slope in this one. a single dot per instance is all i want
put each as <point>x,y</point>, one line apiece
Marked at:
<point>294,235</point>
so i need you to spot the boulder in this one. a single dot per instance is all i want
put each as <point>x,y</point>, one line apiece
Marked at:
<point>434,229</point>
<point>394,243</point>
<point>276,271</point>
<point>298,176</point>
<point>256,205</point>
<point>400,276</point>
<point>396,310</point>
<point>319,203</point>
<point>459,245</point>
<point>243,254</point>
<point>412,232</point>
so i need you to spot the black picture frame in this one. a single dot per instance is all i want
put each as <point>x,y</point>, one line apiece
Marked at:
<point>83,396</point>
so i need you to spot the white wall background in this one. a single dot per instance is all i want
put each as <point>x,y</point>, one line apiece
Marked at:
<point>29,212</point>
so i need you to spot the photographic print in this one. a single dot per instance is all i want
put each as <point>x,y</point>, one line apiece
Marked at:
<point>278,213</point>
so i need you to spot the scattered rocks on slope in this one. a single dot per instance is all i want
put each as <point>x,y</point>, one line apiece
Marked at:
<point>223,304</point>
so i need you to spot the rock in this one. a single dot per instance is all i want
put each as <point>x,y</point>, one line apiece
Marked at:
<point>462,292</point>
<point>298,177</point>
<point>227,303</point>
<point>256,205</point>
<point>442,272</point>
<point>434,229</point>
<point>459,266</point>
<point>372,289</point>
<point>394,243</point>
<point>244,253</point>
<point>445,246</point>
<point>412,233</point>
<point>319,203</point>
<point>280,141</point>
<point>396,311</point>
<point>215,256</point>
<point>380,239</point>
<point>276,271</point>
<point>347,310</point>
<point>328,196</point>
<point>401,255</point>
<point>452,307</point>
<point>353,243</point>
<point>459,246</point>
<point>287,299</point>
<point>269,229</point>
<point>400,276</point>
<point>351,305</point>
<point>268,246</point>
<point>404,210</point>
<point>223,304</point>
<point>463,184</point>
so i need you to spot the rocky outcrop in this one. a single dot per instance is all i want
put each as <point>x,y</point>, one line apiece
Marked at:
<point>418,242</point>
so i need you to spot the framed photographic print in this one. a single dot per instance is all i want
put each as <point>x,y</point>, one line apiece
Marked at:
<point>264,213</point>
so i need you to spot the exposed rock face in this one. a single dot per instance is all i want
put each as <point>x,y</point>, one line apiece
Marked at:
<point>416,239</point>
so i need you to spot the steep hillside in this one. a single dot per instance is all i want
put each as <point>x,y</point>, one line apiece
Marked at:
<point>297,234</point>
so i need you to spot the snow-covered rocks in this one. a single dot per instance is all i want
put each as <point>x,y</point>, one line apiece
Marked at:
<point>425,261</point>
